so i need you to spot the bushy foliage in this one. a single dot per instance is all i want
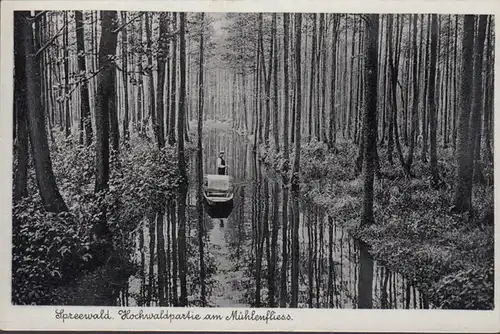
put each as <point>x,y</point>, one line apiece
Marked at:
<point>49,249</point>
<point>141,181</point>
<point>467,289</point>
<point>449,255</point>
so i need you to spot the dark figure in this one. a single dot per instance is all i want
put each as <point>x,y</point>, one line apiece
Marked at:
<point>221,164</point>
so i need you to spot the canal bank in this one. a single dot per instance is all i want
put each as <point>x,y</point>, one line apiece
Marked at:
<point>447,255</point>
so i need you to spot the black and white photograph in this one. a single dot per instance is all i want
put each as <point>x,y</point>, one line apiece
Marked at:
<point>251,160</point>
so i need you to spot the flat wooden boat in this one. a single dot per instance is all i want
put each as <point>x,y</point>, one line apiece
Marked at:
<point>218,195</point>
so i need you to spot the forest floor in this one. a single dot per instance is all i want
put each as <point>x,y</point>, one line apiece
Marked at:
<point>448,256</point>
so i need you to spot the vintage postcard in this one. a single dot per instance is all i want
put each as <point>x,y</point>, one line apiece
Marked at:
<point>249,165</point>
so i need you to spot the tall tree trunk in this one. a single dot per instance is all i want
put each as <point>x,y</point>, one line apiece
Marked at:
<point>151,88</point>
<point>140,84</point>
<point>370,117</point>
<point>105,93</point>
<point>173,84</point>
<point>245,111</point>
<point>455,79</point>
<point>21,107</point>
<point>267,82</point>
<point>160,138</point>
<point>447,86</point>
<point>114,131</point>
<point>275,95</point>
<point>183,184</point>
<point>67,117</point>
<point>313,73</point>
<point>49,192</point>
<point>352,113</point>
<point>286,164</point>
<point>295,176</point>
<point>322,119</point>
<point>488,97</point>
<point>262,71</point>
<point>159,128</point>
<point>463,179</point>
<point>414,109</point>
<point>477,104</point>
<point>168,87</point>
<point>426,111</point>
<point>333,75</point>
<point>126,133</point>
<point>84,86</point>
<point>199,161</point>
<point>392,68</point>
<point>432,102</point>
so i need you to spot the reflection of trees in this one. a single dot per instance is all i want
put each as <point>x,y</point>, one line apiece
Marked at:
<point>365,281</point>
<point>334,271</point>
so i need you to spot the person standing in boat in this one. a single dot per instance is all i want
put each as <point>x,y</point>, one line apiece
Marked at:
<point>221,164</point>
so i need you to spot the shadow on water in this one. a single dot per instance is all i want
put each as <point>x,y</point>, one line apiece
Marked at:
<point>244,249</point>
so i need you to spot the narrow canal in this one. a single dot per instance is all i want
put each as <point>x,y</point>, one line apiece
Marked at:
<point>244,252</point>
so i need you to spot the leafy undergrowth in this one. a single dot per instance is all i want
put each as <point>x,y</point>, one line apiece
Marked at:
<point>51,250</point>
<point>448,256</point>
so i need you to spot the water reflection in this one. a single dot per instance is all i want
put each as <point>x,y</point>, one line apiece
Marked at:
<point>248,254</point>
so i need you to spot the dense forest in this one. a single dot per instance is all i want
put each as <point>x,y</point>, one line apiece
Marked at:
<point>378,126</point>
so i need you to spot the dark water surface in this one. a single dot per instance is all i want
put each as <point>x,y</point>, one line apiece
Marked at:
<point>341,276</point>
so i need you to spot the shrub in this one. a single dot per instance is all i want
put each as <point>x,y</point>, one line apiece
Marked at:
<point>48,250</point>
<point>52,249</point>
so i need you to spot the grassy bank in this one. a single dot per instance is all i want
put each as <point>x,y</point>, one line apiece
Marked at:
<point>448,256</point>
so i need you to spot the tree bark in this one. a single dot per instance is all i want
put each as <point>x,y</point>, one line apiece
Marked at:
<point>313,73</point>
<point>126,132</point>
<point>67,117</point>
<point>84,86</point>
<point>286,165</point>
<point>333,76</point>
<point>105,88</point>
<point>275,95</point>
<point>322,128</point>
<point>463,179</point>
<point>151,87</point>
<point>414,110</point>
<point>199,166</point>
<point>183,184</point>
<point>21,111</point>
<point>370,117</point>
<point>426,112</point>
<point>49,192</point>
<point>160,89</point>
<point>432,102</point>
<point>173,84</point>
<point>477,103</point>
<point>295,176</point>
<point>488,97</point>
<point>114,131</point>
